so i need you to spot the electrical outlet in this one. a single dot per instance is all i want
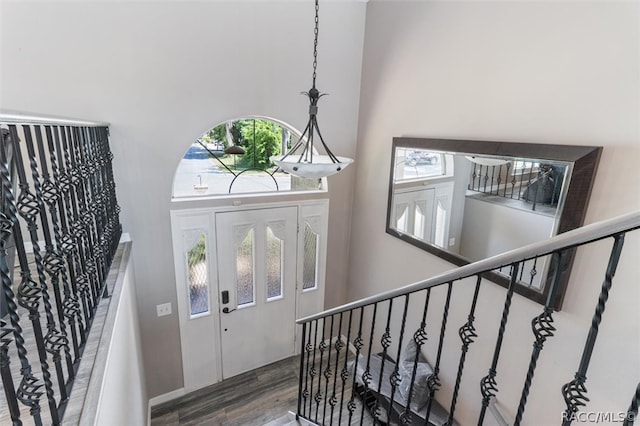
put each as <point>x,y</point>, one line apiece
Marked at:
<point>164,309</point>
<point>452,241</point>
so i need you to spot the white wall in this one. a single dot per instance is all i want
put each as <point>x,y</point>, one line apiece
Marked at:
<point>163,72</point>
<point>548,72</point>
<point>123,398</point>
<point>491,229</point>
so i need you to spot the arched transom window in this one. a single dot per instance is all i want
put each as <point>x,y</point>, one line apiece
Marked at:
<point>233,158</point>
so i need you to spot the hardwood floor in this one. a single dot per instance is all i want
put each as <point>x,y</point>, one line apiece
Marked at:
<point>253,398</point>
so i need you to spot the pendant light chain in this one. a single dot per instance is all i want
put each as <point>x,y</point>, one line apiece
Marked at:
<point>300,160</point>
<point>315,45</point>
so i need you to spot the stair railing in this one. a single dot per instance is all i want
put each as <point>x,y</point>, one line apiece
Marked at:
<point>351,365</point>
<point>60,219</point>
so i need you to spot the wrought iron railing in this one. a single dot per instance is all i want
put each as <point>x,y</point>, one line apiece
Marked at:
<point>60,219</point>
<point>362,363</point>
<point>532,183</point>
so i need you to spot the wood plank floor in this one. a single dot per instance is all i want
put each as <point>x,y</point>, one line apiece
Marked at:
<point>254,398</point>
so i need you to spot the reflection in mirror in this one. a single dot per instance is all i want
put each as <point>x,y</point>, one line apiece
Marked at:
<point>469,200</point>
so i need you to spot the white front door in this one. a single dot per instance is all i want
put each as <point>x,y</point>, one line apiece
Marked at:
<point>256,255</point>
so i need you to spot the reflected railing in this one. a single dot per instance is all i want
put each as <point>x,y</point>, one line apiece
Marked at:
<point>533,183</point>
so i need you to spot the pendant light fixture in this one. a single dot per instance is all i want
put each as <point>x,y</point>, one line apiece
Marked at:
<point>301,160</point>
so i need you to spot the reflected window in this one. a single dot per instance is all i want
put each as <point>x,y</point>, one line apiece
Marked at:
<point>418,163</point>
<point>403,217</point>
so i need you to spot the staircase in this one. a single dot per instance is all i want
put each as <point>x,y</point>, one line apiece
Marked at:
<point>288,419</point>
<point>391,359</point>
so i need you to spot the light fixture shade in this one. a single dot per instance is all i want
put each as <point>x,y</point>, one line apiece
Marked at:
<point>322,165</point>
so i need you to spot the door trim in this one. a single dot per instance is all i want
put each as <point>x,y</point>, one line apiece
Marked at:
<point>307,302</point>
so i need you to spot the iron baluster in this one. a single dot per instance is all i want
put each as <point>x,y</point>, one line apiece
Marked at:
<point>632,412</point>
<point>55,263</point>
<point>29,294</point>
<point>385,342</point>
<point>92,184</point>
<point>69,245</point>
<point>28,391</point>
<point>499,179</point>
<point>311,369</point>
<point>395,378</point>
<point>556,188</point>
<point>574,391</point>
<point>486,178</point>
<point>86,220</point>
<point>488,385</point>
<point>493,172</point>
<point>536,189</point>
<point>6,225</point>
<point>366,376</point>
<point>327,372</point>
<point>524,165</point>
<point>5,373</point>
<point>467,335</point>
<point>321,347</point>
<point>419,337</point>
<point>506,175</point>
<point>333,401</point>
<point>114,227</point>
<point>513,181</point>
<point>81,227</point>
<point>434,379</point>
<point>534,271</point>
<point>522,266</point>
<point>301,375</point>
<point>47,193</point>
<point>312,372</point>
<point>79,281</point>
<point>90,159</point>
<point>344,374</point>
<point>473,178</point>
<point>357,344</point>
<point>102,199</point>
<point>542,327</point>
<point>305,393</point>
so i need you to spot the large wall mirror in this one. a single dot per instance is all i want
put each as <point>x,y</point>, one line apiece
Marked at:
<point>466,200</point>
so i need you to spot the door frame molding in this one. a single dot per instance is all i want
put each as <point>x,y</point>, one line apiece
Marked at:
<point>210,368</point>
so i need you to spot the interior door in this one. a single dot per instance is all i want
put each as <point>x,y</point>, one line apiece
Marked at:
<point>256,252</point>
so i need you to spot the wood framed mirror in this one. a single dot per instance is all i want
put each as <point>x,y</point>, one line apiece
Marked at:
<point>466,200</point>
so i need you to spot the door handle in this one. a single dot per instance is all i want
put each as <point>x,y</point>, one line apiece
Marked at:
<point>226,310</point>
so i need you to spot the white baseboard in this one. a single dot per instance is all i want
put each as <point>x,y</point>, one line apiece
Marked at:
<point>161,399</point>
<point>166,397</point>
